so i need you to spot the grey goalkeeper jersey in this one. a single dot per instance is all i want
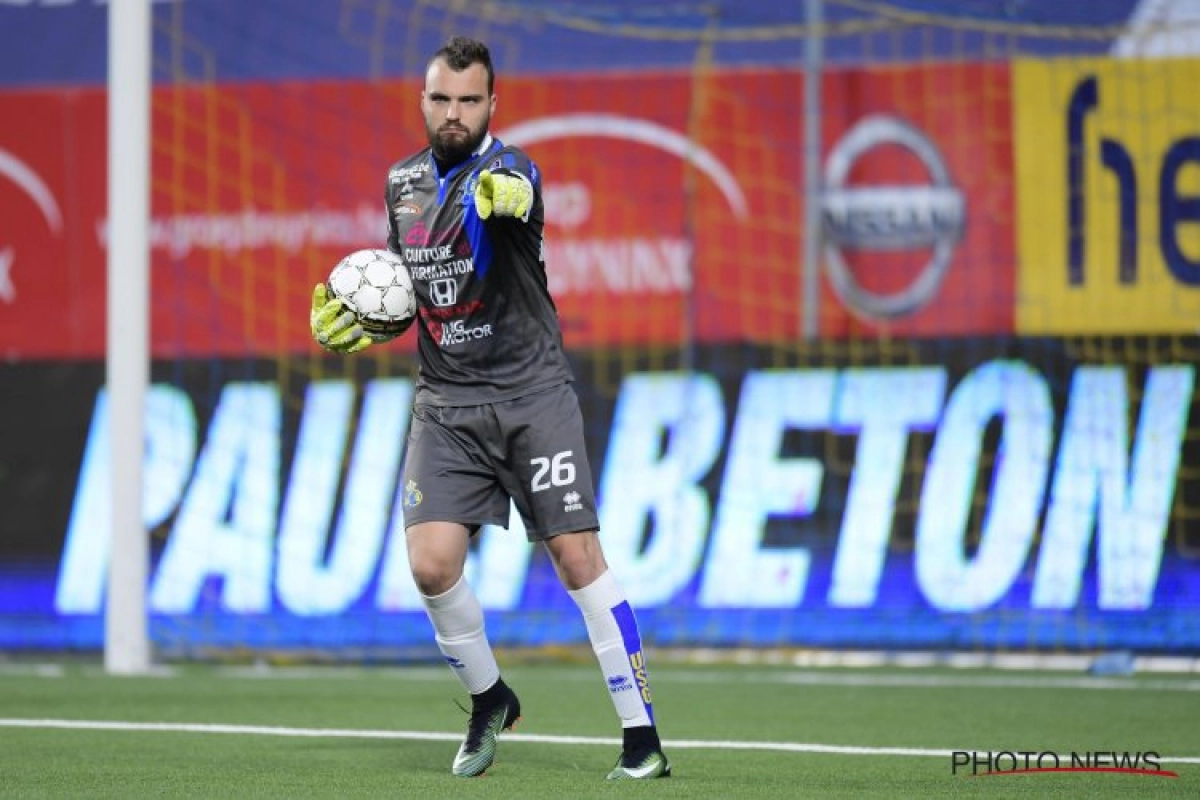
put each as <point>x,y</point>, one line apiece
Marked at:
<point>488,329</point>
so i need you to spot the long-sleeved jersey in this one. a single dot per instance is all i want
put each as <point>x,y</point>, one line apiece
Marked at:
<point>488,328</point>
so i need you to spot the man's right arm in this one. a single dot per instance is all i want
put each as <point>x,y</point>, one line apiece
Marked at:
<point>334,326</point>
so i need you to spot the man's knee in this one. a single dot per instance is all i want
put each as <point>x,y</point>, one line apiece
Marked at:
<point>434,578</point>
<point>436,554</point>
<point>578,558</point>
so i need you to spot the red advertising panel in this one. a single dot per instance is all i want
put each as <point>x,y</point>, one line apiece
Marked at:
<point>675,205</point>
<point>51,181</point>
<point>918,201</point>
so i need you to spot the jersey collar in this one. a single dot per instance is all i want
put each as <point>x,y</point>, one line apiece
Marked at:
<point>488,143</point>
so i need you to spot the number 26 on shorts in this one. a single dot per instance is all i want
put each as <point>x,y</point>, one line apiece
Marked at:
<point>555,471</point>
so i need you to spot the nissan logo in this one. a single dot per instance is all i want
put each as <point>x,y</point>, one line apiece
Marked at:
<point>889,217</point>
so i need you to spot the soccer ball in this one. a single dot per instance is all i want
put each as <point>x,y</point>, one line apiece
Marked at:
<point>376,288</point>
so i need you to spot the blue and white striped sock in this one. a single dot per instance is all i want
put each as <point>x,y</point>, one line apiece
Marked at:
<point>613,631</point>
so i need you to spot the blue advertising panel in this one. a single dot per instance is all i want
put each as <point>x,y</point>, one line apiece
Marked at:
<point>924,494</point>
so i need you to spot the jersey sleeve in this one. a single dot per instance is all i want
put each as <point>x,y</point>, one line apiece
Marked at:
<point>496,239</point>
<point>393,234</point>
<point>511,161</point>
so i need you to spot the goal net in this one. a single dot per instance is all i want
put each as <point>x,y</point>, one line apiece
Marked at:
<point>941,397</point>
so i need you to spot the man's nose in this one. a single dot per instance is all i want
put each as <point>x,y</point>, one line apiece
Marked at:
<point>452,110</point>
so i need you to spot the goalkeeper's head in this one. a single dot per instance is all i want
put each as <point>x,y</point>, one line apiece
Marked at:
<point>458,99</point>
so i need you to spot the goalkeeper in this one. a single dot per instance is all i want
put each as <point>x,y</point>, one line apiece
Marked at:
<point>495,418</point>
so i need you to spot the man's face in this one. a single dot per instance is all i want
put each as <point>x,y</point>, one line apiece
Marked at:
<point>457,109</point>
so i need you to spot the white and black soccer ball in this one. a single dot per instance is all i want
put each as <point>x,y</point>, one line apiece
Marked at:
<point>376,287</point>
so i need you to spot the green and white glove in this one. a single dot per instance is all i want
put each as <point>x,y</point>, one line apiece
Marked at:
<point>334,326</point>
<point>505,195</point>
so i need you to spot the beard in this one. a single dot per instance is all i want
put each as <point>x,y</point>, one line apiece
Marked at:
<point>453,143</point>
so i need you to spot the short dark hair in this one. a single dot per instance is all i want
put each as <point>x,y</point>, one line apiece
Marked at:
<point>461,52</point>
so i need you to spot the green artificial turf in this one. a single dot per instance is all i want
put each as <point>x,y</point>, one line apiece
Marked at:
<point>730,731</point>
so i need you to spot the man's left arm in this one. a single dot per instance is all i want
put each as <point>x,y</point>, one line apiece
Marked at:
<point>503,193</point>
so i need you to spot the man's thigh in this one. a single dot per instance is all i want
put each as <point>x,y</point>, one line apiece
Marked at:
<point>449,473</point>
<point>546,468</point>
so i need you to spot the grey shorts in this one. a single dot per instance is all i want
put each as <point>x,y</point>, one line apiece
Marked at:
<point>464,464</point>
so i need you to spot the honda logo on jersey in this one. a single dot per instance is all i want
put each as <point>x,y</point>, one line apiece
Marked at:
<point>443,292</point>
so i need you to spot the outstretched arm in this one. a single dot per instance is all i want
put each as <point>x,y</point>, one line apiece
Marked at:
<point>504,194</point>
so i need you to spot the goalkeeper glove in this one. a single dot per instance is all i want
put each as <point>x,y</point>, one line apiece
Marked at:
<point>505,195</point>
<point>334,327</point>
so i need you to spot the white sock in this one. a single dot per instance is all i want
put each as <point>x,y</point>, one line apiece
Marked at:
<point>614,633</point>
<point>457,621</point>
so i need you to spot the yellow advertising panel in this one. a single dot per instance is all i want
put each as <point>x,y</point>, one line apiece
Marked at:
<point>1108,196</point>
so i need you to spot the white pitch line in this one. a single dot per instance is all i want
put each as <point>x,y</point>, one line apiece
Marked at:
<point>434,736</point>
<point>991,682</point>
<point>943,680</point>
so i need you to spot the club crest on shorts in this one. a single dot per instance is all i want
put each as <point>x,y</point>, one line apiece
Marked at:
<point>412,495</point>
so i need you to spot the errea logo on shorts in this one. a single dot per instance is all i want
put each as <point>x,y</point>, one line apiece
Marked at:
<point>571,502</point>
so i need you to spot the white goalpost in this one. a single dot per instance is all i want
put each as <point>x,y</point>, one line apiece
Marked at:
<point>126,638</point>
